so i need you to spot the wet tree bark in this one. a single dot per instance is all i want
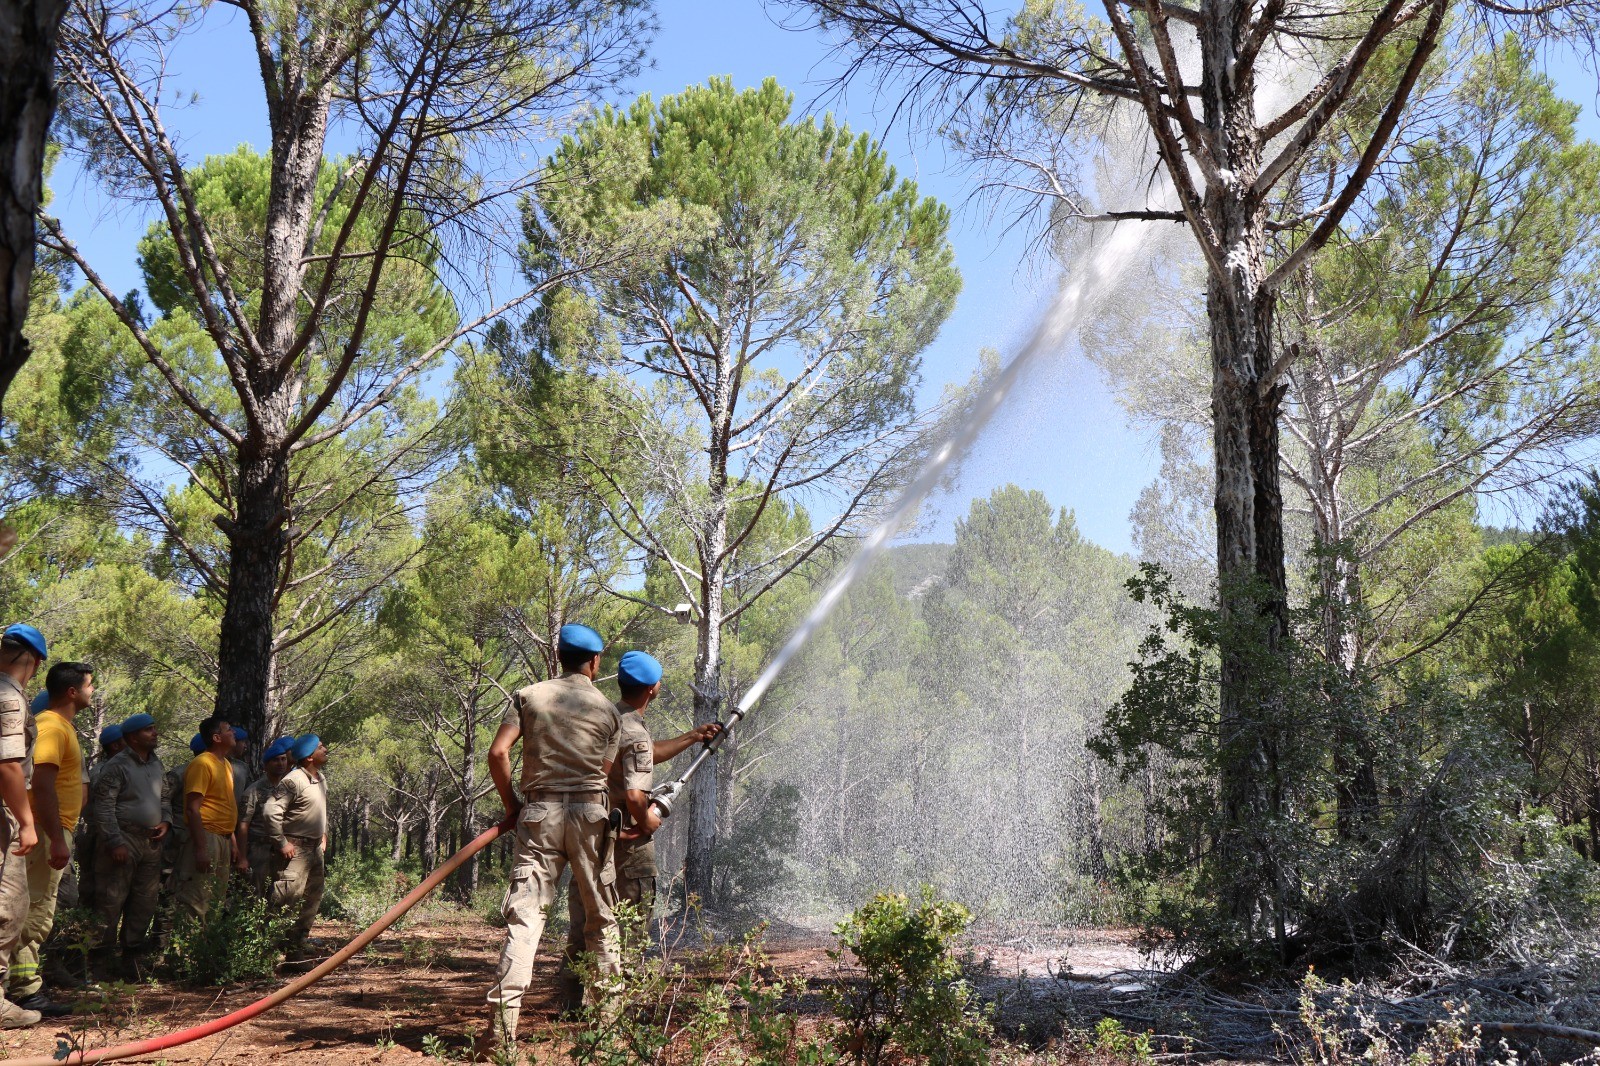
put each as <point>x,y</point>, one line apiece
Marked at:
<point>1245,403</point>
<point>708,700</point>
<point>28,33</point>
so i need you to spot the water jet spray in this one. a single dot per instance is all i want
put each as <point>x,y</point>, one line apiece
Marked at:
<point>1078,294</point>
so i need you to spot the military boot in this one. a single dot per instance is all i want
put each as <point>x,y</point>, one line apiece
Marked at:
<point>15,1017</point>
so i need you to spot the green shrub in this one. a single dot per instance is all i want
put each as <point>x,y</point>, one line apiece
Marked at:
<point>360,887</point>
<point>720,1007</point>
<point>238,941</point>
<point>913,995</point>
<point>1112,1041</point>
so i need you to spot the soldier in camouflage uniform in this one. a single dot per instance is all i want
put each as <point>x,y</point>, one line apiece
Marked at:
<point>132,819</point>
<point>22,652</point>
<point>297,825</point>
<point>639,678</point>
<point>569,733</point>
<point>252,814</point>
<point>86,844</point>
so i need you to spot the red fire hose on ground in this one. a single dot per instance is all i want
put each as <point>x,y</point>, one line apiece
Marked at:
<point>290,990</point>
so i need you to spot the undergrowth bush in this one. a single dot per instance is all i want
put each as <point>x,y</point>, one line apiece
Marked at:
<point>1340,1030</point>
<point>913,996</point>
<point>238,941</point>
<point>360,887</point>
<point>720,1006</point>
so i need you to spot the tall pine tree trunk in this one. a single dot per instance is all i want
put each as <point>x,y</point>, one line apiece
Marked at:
<point>258,538</point>
<point>708,704</point>
<point>708,695</point>
<point>28,33</point>
<point>1245,404</point>
<point>257,541</point>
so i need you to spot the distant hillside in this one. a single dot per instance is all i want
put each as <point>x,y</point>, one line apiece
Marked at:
<point>1494,536</point>
<point>917,566</point>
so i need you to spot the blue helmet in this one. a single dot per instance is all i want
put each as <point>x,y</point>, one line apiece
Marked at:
<point>305,746</point>
<point>278,747</point>
<point>197,744</point>
<point>638,669</point>
<point>135,722</point>
<point>575,637</point>
<point>110,735</point>
<point>27,635</point>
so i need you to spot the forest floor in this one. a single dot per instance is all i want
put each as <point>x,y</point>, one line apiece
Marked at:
<point>417,995</point>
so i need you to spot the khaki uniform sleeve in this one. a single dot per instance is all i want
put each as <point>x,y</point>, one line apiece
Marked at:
<point>281,807</point>
<point>613,740</point>
<point>248,805</point>
<point>13,728</point>
<point>513,715</point>
<point>638,764</point>
<point>103,805</point>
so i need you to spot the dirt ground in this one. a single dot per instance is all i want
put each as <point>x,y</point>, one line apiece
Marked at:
<point>425,984</point>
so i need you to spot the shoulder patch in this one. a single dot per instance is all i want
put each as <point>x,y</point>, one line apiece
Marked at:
<point>641,745</point>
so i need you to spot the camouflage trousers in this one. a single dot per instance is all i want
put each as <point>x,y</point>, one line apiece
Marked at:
<point>43,882</point>
<point>297,886</point>
<point>263,863</point>
<point>637,890</point>
<point>128,891</point>
<point>551,834</point>
<point>13,897</point>
<point>193,891</point>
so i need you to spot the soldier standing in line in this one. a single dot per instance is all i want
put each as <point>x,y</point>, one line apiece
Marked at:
<point>569,736</point>
<point>22,652</point>
<point>112,742</point>
<point>240,762</point>
<point>639,679</point>
<point>252,814</point>
<point>208,808</point>
<point>132,817</point>
<point>86,846</point>
<point>172,796</point>
<point>177,838</point>
<point>297,825</point>
<point>56,793</point>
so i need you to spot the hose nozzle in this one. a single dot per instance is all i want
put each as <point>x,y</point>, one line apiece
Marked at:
<point>662,797</point>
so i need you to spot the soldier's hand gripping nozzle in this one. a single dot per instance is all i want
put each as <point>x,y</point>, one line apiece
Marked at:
<point>662,797</point>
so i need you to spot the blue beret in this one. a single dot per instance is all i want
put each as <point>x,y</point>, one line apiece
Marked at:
<point>304,746</point>
<point>197,744</point>
<point>240,733</point>
<point>30,636</point>
<point>135,722</point>
<point>110,735</point>
<point>40,702</point>
<point>576,637</point>
<point>278,747</point>
<point>639,669</point>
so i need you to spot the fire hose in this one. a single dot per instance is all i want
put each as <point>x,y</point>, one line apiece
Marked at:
<point>293,988</point>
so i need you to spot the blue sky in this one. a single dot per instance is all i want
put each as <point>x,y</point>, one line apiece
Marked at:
<point>1065,436</point>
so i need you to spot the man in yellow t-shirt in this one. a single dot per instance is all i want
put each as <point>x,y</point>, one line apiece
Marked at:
<point>56,796</point>
<point>212,818</point>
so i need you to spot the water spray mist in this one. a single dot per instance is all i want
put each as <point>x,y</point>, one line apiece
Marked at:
<point>1098,274</point>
